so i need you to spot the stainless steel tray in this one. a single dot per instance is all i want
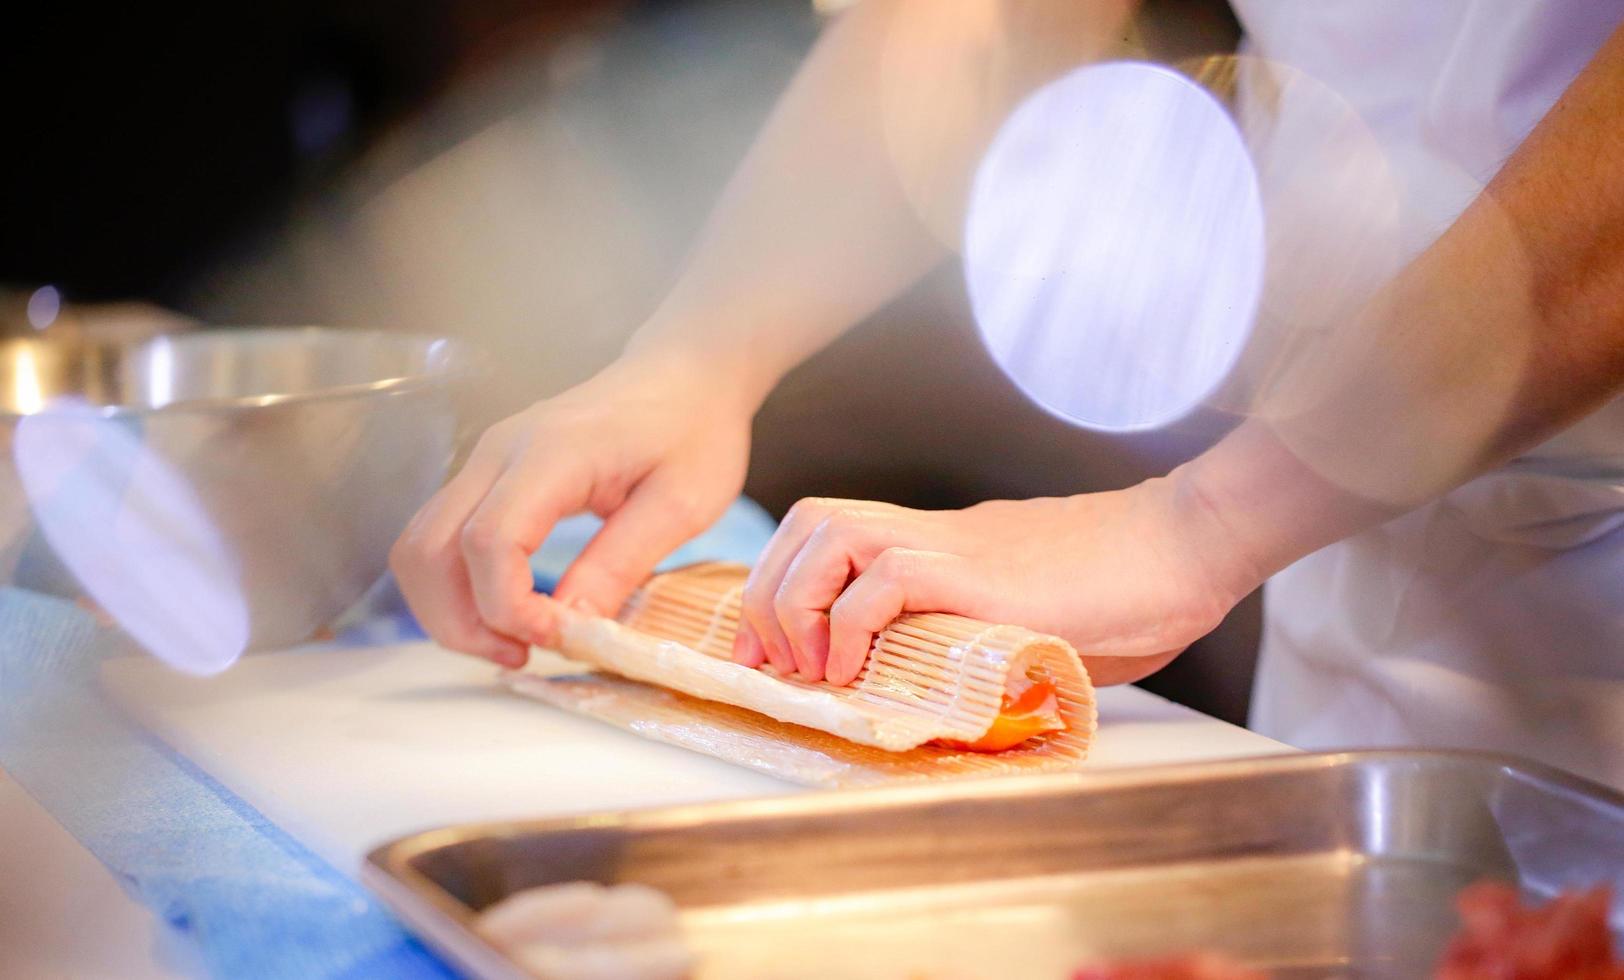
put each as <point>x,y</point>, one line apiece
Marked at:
<point>1339,865</point>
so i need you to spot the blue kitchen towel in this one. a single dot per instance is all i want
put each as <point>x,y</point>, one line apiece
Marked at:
<point>255,902</point>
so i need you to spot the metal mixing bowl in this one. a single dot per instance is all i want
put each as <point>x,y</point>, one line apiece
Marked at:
<point>219,489</point>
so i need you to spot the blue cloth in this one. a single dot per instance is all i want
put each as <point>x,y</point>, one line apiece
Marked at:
<point>256,903</point>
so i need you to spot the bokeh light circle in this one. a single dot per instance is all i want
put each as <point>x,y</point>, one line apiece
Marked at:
<point>1114,246</point>
<point>134,534</point>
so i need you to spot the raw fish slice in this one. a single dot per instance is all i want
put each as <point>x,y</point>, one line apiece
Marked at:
<point>582,930</point>
<point>578,912</point>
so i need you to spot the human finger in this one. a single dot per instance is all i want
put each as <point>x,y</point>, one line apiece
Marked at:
<point>659,515</point>
<point>758,620</point>
<point>428,566</point>
<point>841,547</point>
<point>899,580</point>
<point>524,503</point>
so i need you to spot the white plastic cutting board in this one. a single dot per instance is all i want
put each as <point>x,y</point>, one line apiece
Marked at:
<point>345,748</point>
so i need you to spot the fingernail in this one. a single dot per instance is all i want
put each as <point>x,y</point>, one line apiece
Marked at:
<point>584,606</point>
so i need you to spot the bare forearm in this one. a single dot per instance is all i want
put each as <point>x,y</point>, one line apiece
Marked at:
<point>812,233</point>
<point>851,191</point>
<point>1507,330</point>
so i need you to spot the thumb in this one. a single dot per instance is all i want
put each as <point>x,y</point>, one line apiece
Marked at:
<point>653,522</point>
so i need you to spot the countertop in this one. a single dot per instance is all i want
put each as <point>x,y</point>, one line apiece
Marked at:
<point>343,748</point>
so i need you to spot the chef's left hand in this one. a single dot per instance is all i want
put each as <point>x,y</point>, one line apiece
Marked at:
<point>1129,577</point>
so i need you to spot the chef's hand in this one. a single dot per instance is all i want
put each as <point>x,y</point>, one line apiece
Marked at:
<point>657,447</point>
<point>1129,577</point>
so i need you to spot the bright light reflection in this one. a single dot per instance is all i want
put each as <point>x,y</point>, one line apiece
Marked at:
<point>1114,246</point>
<point>160,373</point>
<point>25,389</point>
<point>133,534</point>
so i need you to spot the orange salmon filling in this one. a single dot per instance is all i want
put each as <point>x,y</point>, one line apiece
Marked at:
<point>1031,707</point>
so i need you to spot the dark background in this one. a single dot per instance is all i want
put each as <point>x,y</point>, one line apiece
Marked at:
<point>149,140</point>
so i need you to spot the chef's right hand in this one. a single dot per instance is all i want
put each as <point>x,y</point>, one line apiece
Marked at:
<point>655,446</point>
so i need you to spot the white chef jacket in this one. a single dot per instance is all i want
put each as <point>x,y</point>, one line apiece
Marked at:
<point>1494,617</point>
